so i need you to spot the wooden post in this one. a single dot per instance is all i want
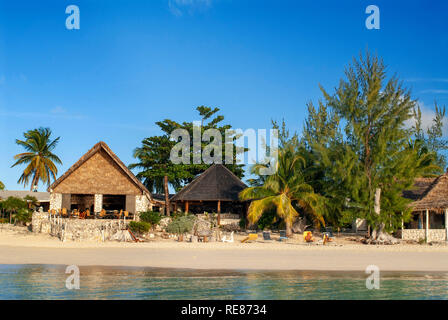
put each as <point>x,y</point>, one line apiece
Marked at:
<point>219,212</point>
<point>402,224</point>
<point>427,225</point>
<point>446,225</point>
<point>186,206</point>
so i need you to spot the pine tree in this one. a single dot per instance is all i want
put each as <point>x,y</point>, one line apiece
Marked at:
<point>373,159</point>
<point>432,141</point>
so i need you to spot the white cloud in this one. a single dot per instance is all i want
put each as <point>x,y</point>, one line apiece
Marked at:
<point>179,7</point>
<point>439,91</point>
<point>55,113</point>
<point>58,110</point>
<point>428,114</point>
<point>427,80</point>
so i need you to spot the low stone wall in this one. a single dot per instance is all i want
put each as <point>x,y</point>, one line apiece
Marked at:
<point>226,218</point>
<point>77,229</point>
<point>419,234</point>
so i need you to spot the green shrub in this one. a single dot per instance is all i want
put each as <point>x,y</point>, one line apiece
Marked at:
<point>4,220</point>
<point>178,214</point>
<point>181,224</point>
<point>151,217</point>
<point>23,216</point>
<point>267,220</point>
<point>139,227</point>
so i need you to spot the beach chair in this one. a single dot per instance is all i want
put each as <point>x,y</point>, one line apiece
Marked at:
<point>308,236</point>
<point>251,237</point>
<point>87,214</point>
<point>64,212</point>
<point>224,239</point>
<point>282,235</point>
<point>102,213</point>
<point>126,214</point>
<point>266,235</point>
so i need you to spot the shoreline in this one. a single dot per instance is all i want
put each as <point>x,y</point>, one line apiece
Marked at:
<point>30,248</point>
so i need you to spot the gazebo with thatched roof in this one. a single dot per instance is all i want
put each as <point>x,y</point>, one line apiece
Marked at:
<point>215,190</point>
<point>430,199</point>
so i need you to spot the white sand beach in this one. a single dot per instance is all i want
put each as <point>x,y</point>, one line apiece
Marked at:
<point>20,247</point>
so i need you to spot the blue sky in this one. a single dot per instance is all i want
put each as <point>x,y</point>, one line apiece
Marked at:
<point>136,62</point>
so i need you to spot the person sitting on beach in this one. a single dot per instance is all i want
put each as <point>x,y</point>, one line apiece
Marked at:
<point>309,237</point>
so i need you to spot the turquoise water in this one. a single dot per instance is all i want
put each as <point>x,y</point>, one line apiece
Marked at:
<point>48,282</point>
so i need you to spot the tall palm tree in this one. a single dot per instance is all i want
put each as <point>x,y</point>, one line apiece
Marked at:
<point>286,190</point>
<point>39,158</point>
<point>2,186</point>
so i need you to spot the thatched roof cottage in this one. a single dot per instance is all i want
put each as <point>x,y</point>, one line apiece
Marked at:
<point>430,209</point>
<point>214,190</point>
<point>99,179</point>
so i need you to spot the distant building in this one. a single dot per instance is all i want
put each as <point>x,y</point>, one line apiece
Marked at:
<point>99,180</point>
<point>430,209</point>
<point>43,198</point>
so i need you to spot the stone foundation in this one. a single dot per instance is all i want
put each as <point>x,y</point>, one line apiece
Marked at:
<point>77,229</point>
<point>435,235</point>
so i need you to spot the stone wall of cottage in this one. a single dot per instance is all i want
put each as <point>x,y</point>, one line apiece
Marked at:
<point>77,229</point>
<point>55,201</point>
<point>435,235</point>
<point>142,203</point>
<point>98,205</point>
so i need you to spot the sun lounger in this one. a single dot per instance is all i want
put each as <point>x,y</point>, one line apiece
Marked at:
<point>224,239</point>
<point>266,235</point>
<point>282,235</point>
<point>251,237</point>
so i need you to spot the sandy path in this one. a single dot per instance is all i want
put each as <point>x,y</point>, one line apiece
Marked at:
<point>40,249</point>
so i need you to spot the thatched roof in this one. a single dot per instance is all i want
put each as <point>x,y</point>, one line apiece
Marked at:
<point>429,193</point>
<point>215,183</point>
<point>101,146</point>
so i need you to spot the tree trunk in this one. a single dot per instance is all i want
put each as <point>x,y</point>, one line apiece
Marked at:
<point>34,182</point>
<point>288,229</point>
<point>167,196</point>
<point>378,235</point>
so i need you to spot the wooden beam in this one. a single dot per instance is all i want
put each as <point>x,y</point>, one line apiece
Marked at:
<point>427,225</point>
<point>186,206</point>
<point>219,212</point>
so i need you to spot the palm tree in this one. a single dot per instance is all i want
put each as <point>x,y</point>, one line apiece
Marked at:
<point>2,186</point>
<point>39,157</point>
<point>156,169</point>
<point>286,190</point>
